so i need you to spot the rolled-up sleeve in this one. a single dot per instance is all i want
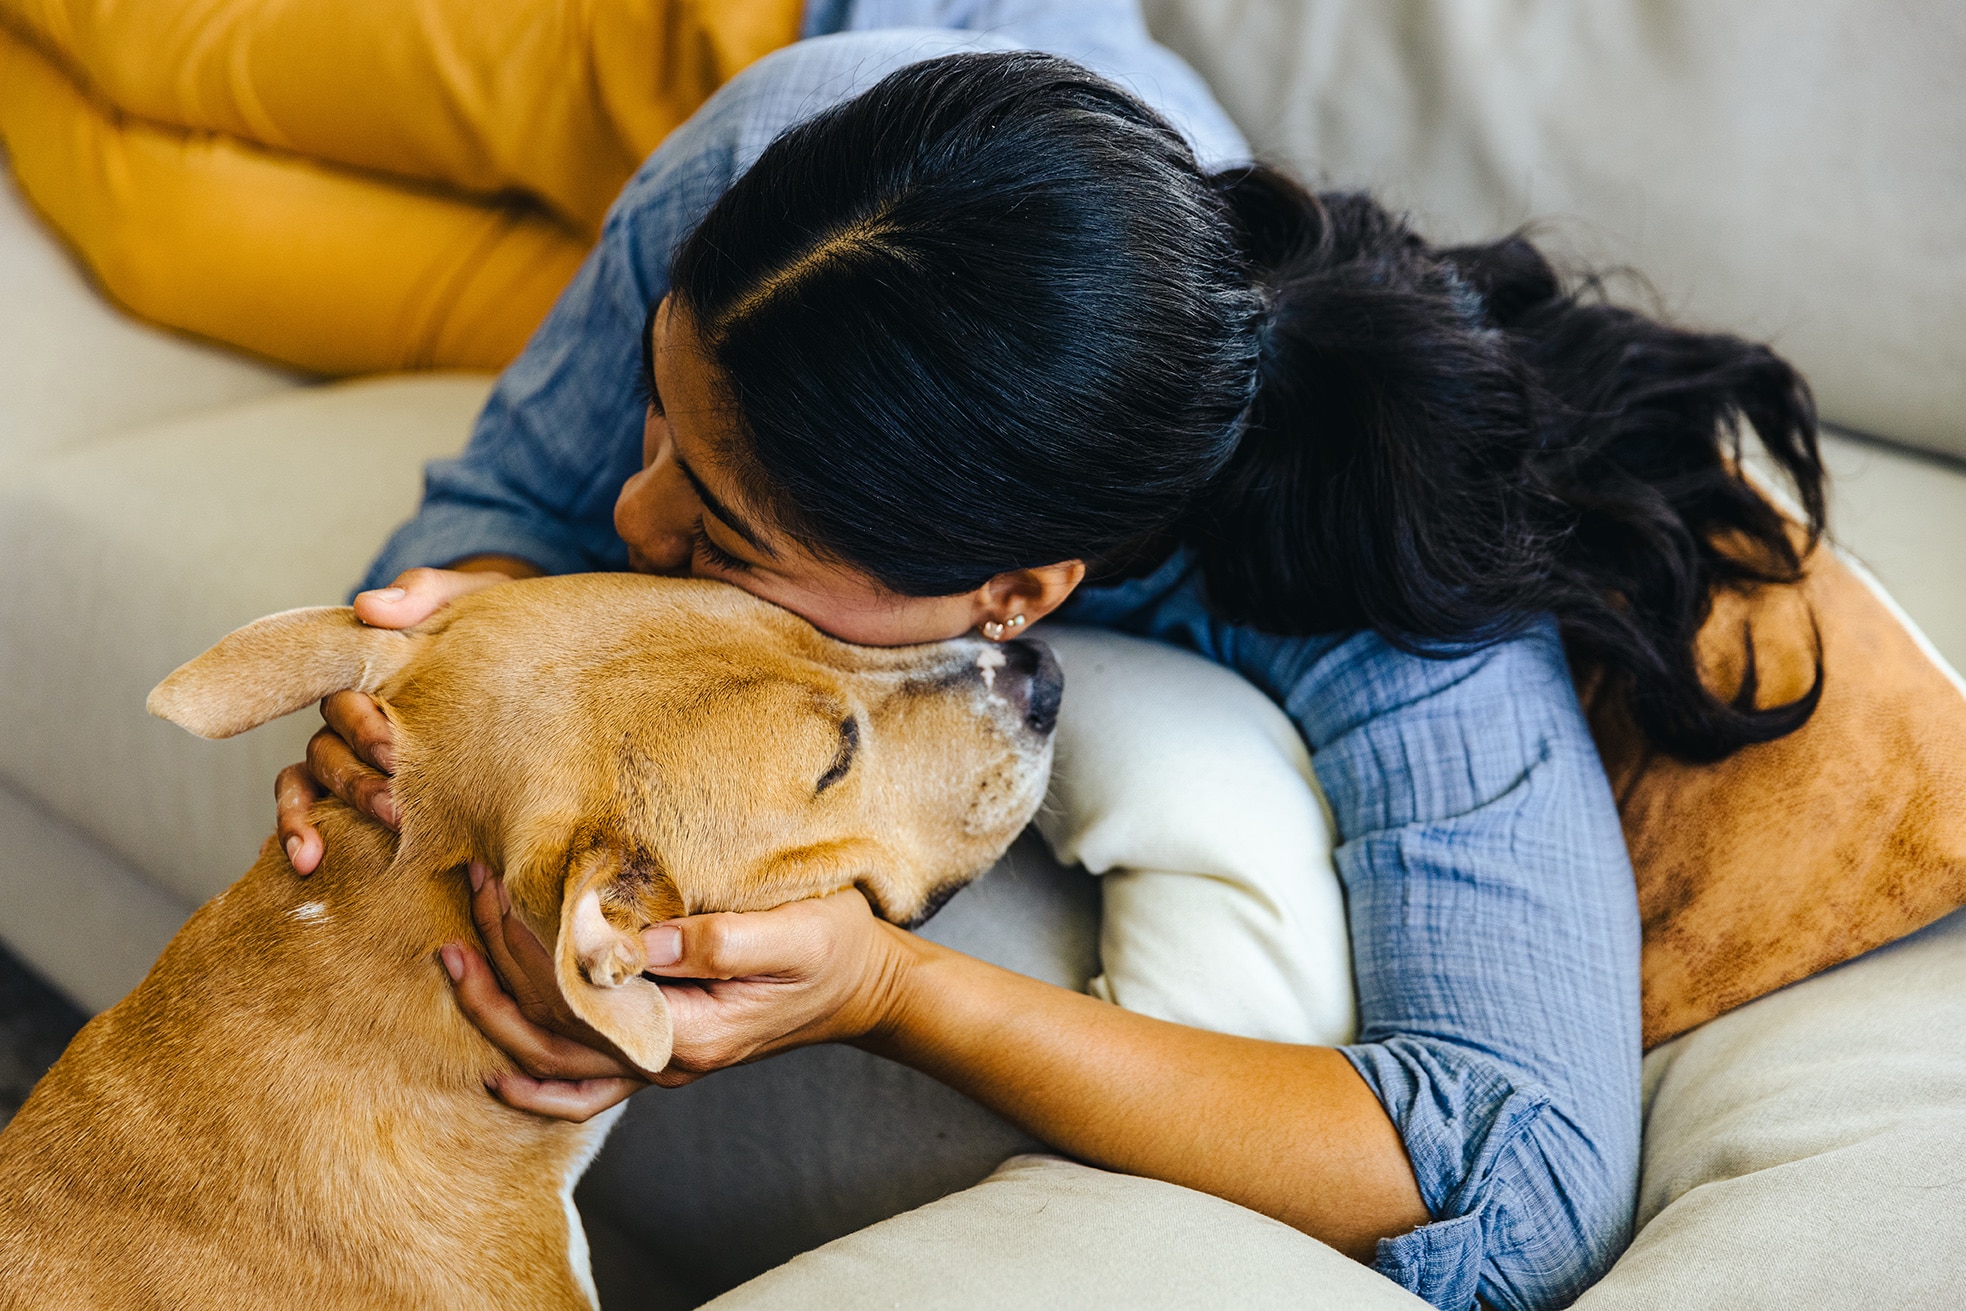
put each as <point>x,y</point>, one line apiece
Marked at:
<point>1495,938</point>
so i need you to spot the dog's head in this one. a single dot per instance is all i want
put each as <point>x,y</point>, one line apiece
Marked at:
<point>630,749</point>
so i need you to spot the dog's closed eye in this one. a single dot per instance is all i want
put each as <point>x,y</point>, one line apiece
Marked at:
<point>843,762</point>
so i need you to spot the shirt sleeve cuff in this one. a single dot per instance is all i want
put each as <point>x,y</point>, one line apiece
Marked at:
<point>1439,1263</point>
<point>441,535</point>
<point>1458,1115</point>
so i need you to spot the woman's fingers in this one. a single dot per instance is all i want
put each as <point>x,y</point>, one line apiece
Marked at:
<point>294,795</point>
<point>760,981</point>
<point>755,943</point>
<point>524,965</point>
<point>728,946</point>
<point>358,719</point>
<point>489,908</point>
<point>578,1100</point>
<point>527,953</point>
<point>336,767</point>
<point>539,1052</point>
<point>811,971</point>
<point>354,755</point>
<point>566,1077</point>
<point>349,758</point>
<point>416,594</point>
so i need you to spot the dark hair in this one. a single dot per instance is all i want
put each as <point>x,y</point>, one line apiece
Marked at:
<point>992,314</point>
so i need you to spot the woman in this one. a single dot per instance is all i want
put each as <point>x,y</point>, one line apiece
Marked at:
<point>980,339</point>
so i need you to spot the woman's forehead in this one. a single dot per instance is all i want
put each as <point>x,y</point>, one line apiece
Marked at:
<point>687,373</point>
<point>709,443</point>
<point>704,425</point>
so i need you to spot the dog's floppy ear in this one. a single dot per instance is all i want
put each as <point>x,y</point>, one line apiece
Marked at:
<point>599,958</point>
<point>277,665</point>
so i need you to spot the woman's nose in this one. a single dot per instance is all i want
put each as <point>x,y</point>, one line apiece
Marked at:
<point>654,518</point>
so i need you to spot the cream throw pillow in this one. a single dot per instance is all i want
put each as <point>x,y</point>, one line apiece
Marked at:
<point>1192,794</point>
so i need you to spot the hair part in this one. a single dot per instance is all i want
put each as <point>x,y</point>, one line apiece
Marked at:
<point>939,306</point>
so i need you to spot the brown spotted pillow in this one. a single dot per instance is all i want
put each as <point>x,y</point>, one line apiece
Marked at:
<point>1791,856</point>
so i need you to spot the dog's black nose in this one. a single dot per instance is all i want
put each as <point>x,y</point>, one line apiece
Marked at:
<point>1033,682</point>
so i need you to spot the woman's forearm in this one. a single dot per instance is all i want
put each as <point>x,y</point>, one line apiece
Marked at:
<point>1290,1131</point>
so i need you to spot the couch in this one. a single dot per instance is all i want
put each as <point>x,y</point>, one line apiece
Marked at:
<point>1789,171</point>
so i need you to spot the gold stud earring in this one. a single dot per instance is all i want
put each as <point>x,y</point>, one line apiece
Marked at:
<point>997,631</point>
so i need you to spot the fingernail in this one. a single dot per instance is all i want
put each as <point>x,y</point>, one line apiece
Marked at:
<point>386,595</point>
<point>504,898</point>
<point>453,961</point>
<point>663,944</point>
<point>385,810</point>
<point>385,757</point>
<point>293,852</point>
<point>477,875</point>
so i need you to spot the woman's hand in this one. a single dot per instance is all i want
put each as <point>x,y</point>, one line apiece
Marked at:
<point>1308,1142</point>
<point>566,1069</point>
<point>748,985</point>
<point>353,756</point>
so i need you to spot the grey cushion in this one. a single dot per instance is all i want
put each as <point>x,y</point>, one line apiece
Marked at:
<point>1905,518</point>
<point>1046,1232</point>
<point>71,365</point>
<point>130,554</point>
<point>1788,169</point>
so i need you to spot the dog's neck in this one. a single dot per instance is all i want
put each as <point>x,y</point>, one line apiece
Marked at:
<point>297,1053</point>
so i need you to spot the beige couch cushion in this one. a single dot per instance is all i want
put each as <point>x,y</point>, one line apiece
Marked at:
<point>1802,1152</point>
<point>1904,517</point>
<point>130,554</point>
<point>1046,1232</point>
<point>72,366</point>
<point>1787,169</point>
<point>1809,1150</point>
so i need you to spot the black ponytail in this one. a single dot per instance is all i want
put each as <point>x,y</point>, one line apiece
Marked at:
<point>1445,443</point>
<point>991,314</point>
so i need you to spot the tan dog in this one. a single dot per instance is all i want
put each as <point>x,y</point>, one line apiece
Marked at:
<point>290,1110</point>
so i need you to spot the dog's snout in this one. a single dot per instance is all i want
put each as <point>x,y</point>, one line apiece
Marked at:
<point>1033,682</point>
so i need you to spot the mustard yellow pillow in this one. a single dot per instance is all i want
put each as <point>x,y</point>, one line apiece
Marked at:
<point>352,186</point>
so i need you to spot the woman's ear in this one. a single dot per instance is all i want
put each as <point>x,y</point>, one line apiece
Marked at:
<point>1032,593</point>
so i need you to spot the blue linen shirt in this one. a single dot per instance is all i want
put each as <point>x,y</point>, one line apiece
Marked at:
<point>1493,914</point>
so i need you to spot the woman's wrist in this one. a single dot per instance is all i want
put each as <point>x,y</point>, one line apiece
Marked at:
<point>894,994</point>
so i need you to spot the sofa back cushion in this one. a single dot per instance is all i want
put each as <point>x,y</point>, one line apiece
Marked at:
<point>1790,170</point>
<point>73,367</point>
